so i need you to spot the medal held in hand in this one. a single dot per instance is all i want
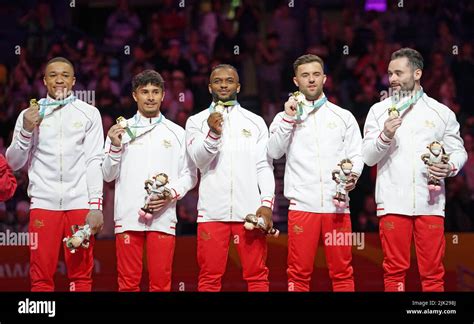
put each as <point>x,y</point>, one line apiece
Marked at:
<point>34,103</point>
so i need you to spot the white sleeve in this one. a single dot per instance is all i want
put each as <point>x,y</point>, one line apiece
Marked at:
<point>265,178</point>
<point>375,144</point>
<point>454,145</point>
<point>93,146</point>
<point>18,151</point>
<point>281,131</point>
<point>187,174</point>
<point>353,141</point>
<point>202,148</point>
<point>111,164</point>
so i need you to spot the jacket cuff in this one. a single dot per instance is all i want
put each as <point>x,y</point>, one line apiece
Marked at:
<point>174,194</point>
<point>213,136</point>
<point>384,140</point>
<point>288,121</point>
<point>115,152</point>
<point>453,170</point>
<point>212,142</point>
<point>25,137</point>
<point>268,202</point>
<point>96,204</point>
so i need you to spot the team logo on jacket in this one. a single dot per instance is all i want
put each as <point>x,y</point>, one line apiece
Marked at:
<point>246,133</point>
<point>429,124</point>
<point>297,229</point>
<point>167,143</point>
<point>331,125</point>
<point>77,124</point>
<point>38,223</point>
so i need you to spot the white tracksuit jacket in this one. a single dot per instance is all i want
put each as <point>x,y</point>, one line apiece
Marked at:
<point>161,149</point>
<point>402,177</point>
<point>236,173</point>
<point>64,155</point>
<point>314,147</point>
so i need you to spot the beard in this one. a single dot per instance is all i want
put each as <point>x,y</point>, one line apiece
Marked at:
<point>310,96</point>
<point>216,98</point>
<point>406,90</point>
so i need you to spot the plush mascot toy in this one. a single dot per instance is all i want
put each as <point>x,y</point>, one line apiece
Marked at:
<point>253,221</point>
<point>155,187</point>
<point>435,155</point>
<point>80,238</point>
<point>342,178</point>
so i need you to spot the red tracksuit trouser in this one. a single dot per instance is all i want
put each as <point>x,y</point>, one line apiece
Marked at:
<point>304,231</point>
<point>212,250</point>
<point>396,233</point>
<point>159,252</point>
<point>51,227</point>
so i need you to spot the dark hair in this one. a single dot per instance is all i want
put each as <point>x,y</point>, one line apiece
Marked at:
<point>147,77</point>
<point>224,66</point>
<point>59,59</point>
<point>415,60</point>
<point>307,58</point>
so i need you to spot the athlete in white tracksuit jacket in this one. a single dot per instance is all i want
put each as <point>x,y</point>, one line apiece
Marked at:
<point>229,148</point>
<point>405,205</point>
<point>156,145</point>
<point>61,142</point>
<point>316,135</point>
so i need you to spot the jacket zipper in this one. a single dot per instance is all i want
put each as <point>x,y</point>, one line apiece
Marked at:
<point>61,158</point>
<point>318,158</point>
<point>231,168</point>
<point>148,160</point>
<point>413,169</point>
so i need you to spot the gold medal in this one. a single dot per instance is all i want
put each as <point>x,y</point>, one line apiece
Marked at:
<point>34,103</point>
<point>122,122</point>
<point>393,112</point>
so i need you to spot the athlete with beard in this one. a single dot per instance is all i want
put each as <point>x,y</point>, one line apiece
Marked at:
<point>228,145</point>
<point>395,144</point>
<point>316,135</point>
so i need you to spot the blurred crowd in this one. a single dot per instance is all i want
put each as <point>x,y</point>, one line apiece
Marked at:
<point>183,40</point>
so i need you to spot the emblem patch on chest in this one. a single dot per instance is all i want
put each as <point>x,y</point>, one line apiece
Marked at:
<point>167,143</point>
<point>429,124</point>
<point>77,125</point>
<point>246,133</point>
